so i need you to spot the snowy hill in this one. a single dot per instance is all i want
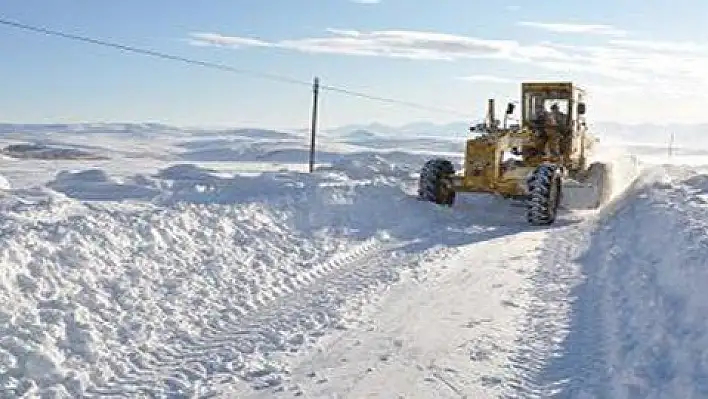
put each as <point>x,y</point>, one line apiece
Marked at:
<point>202,263</point>
<point>417,129</point>
<point>647,133</point>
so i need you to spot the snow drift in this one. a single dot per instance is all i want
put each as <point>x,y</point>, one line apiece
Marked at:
<point>159,282</point>
<point>646,269</point>
<point>93,295</point>
<point>623,315</point>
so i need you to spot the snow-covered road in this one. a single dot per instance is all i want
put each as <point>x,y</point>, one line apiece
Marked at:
<point>164,269</point>
<point>448,333</point>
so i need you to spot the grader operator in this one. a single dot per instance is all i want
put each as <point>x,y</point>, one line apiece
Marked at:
<point>540,160</point>
<point>553,133</point>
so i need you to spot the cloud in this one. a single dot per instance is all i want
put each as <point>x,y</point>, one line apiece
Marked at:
<point>402,44</point>
<point>366,1</point>
<point>487,78</point>
<point>594,29</point>
<point>652,66</point>
<point>648,68</point>
<point>391,43</point>
<point>685,47</point>
<point>215,39</point>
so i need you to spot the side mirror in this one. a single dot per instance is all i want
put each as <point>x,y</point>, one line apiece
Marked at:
<point>581,108</point>
<point>510,108</point>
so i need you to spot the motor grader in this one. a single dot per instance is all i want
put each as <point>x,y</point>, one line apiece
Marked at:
<point>542,160</point>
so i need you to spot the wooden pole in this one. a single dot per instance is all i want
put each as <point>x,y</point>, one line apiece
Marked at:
<point>313,131</point>
<point>671,145</point>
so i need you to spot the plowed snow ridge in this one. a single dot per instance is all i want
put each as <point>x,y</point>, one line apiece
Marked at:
<point>623,314</point>
<point>189,293</point>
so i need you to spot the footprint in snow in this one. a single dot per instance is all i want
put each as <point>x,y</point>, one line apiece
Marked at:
<point>480,355</point>
<point>509,303</point>
<point>476,322</point>
<point>490,381</point>
<point>471,324</point>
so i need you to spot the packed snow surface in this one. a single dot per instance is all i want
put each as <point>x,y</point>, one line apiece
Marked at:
<point>167,262</point>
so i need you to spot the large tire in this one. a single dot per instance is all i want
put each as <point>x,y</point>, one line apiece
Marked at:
<point>435,182</point>
<point>544,197</point>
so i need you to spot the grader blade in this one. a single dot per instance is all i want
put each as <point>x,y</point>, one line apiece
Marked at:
<point>580,196</point>
<point>590,192</point>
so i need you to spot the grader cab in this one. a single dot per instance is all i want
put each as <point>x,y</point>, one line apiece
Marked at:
<point>541,160</point>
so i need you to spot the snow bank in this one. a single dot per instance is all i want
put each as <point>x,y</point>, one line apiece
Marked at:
<point>4,183</point>
<point>639,326</point>
<point>101,298</point>
<point>96,184</point>
<point>48,152</point>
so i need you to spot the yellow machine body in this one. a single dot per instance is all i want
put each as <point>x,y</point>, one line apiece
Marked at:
<point>485,168</point>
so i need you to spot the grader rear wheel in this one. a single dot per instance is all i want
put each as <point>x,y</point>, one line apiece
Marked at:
<point>435,182</point>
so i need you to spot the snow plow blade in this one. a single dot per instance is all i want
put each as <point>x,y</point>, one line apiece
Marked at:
<point>580,196</point>
<point>591,192</point>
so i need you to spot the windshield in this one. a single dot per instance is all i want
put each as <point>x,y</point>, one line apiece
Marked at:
<point>539,105</point>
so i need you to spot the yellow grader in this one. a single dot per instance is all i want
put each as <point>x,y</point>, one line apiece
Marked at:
<point>542,160</point>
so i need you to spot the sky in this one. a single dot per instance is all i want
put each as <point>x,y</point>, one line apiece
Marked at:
<point>639,61</point>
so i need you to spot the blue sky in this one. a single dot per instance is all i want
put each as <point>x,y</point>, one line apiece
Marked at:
<point>640,61</point>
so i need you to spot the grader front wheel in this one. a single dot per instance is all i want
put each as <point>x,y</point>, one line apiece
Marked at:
<point>544,186</point>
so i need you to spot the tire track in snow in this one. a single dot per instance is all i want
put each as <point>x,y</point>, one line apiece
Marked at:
<point>636,333</point>
<point>434,337</point>
<point>560,342</point>
<point>241,348</point>
<point>543,330</point>
<point>157,270</point>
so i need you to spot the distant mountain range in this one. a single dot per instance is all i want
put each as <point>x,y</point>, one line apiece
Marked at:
<point>685,134</point>
<point>423,129</point>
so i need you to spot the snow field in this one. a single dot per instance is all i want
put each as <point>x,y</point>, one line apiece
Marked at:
<point>447,333</point>
<point>163,291</point>
<point>202,264</point>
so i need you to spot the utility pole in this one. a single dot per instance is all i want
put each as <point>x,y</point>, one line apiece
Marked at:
<point>671,145</point>
<point>313,131</point>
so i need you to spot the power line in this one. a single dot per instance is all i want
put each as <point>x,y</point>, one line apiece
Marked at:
<point>153,53</point>
<point>393,101</point>
<point>223,67</point>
